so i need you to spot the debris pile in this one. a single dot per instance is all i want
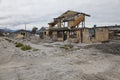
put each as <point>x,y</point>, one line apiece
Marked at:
<point>112,48</point>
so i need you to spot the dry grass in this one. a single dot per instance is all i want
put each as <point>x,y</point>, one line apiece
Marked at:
<point>19,45</point>
<point>26,47</point>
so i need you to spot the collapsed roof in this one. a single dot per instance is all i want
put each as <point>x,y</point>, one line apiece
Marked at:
<point>67,16</point>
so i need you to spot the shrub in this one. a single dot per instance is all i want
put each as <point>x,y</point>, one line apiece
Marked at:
<point>26,47</point>
<point>66,47</point>
<point>9,40</point>
<point>19,45</point>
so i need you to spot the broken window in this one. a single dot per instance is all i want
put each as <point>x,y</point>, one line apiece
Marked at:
<point>92,33</point>
<point>44,33</point>
<point>59,34</point>
<point>22,33</point>
<point>73,34</point>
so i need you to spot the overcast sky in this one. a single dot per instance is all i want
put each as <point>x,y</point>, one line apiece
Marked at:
<point>15,13</point>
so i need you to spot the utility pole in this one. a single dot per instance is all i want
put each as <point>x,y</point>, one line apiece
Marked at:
<point>25,26</point>
<point>25,32</point>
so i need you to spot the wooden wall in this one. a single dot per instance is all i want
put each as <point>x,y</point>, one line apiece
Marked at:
<point>101,35</point>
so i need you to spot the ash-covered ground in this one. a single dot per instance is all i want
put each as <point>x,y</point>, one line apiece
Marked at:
<point>59,61</point>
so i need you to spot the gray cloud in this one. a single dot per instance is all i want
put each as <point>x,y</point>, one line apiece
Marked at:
<point>14,13</point>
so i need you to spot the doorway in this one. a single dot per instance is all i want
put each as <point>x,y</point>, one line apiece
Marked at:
<point>64,36</point>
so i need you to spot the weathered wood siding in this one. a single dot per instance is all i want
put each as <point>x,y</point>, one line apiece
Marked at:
<point>101,35</point>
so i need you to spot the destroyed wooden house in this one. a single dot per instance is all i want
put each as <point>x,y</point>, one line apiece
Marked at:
<point>21,34</point>
<point>1,32</point>
<point>114,32</point>
<point>71,26</point>
<point>4,33</point>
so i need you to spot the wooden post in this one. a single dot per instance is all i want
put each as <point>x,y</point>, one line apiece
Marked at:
<point>25,32</point>
<point>84,21</point>
<point>82,24</point>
